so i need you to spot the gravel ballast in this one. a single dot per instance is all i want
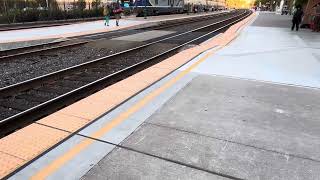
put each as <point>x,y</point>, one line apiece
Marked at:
<point>30,66</point>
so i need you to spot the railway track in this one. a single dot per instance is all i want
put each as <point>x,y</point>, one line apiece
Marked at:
<point>24,102</point>
<point>20,68</point>
<point>163,25</point>
<point>27,50</point>
<point>32,26</point>
<point>80,40</point>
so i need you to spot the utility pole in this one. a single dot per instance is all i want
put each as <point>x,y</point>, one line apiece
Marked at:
<point>188,7</point>
<point>206,4</point>
<point>145,9</point>
<point>6,10</point>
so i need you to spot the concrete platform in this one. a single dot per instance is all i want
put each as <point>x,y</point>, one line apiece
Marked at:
<point>269,52</point>
<point>246,111</point>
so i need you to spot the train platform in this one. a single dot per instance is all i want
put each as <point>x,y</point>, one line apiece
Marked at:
<point>87,28</point>
<point>242,105</point>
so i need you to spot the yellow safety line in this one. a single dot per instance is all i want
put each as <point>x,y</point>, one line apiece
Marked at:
<point>60,161</point>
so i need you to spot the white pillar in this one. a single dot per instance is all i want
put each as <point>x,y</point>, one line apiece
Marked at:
<point>281,4</point>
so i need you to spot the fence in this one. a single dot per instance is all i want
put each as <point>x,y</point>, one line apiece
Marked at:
<point>20,11</point>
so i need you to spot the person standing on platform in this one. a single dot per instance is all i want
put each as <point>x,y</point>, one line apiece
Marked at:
<point>317,18</point>
<point>117,11</point>
<point>106,13</point>
<point>297,17</point>
<point>317,23</point>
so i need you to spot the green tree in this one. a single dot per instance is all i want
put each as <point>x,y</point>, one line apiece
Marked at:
<point>96,3</point>
<point>300,2</point>
<point>42,3</point>
<point>81,4</point>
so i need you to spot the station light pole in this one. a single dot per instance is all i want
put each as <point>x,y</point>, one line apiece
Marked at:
<point>188,7</point>
<point>145,9</point>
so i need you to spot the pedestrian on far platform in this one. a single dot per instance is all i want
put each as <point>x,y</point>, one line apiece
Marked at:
<point>106,13</point>
<point>297,18</point>
<point>117,13</point>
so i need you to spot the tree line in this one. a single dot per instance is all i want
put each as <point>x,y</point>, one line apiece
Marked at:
<point>17,11</point>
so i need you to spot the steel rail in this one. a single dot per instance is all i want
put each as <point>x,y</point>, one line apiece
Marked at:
<point>118,73</point>
<point>41,50</point>
<point>19,27</point>
<point>31,46</point>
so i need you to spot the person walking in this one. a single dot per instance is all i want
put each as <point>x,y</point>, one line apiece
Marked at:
<point>297,17</point>
<point>317,23</point>
<point>117,11</point>
<point>317,18</point>
<point>106,13</point>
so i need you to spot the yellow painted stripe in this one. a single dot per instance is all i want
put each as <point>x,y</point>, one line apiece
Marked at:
<point>60,161</point>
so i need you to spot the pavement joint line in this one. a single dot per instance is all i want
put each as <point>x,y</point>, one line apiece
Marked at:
<point>234,142</point>
<point>230,94</point>
<point>265,52</point>
<point>163,158</point>
<point>310,47</point>
<point>142,152</point>
<point>72,115</point>
<point>157,67</point>
<point>266,82</point>
<point>56,128</point>
<point>13,155</point>
<point>60,161</point>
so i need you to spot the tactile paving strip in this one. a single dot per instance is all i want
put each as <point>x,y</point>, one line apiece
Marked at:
<point>9,163</point>
<point>64,122</point>
<point>31,141</point>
